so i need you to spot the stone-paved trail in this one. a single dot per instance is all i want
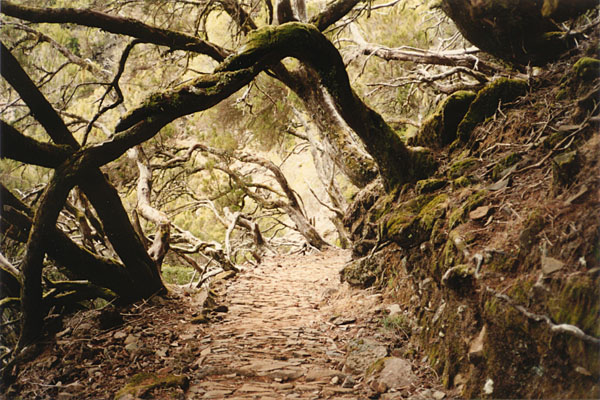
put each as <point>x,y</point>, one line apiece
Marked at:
<point>289,330</point>
<point>284,336</point>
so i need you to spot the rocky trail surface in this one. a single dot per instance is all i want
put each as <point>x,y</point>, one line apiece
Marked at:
<point>285,329</point>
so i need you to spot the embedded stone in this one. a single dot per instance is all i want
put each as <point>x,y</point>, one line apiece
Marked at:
<point>564,168</point>
<point>551,265</point>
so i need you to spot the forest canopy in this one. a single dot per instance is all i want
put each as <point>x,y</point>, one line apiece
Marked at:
<point>142,135</point>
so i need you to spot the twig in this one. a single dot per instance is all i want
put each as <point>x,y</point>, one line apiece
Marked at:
<point>560,328</point>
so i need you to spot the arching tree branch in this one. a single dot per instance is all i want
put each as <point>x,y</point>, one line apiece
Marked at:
<point>113,24</point>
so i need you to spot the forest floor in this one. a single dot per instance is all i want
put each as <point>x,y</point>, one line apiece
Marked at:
<point>286,328</point>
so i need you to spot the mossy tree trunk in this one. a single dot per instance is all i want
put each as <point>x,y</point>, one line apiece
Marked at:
<point>519,31</point>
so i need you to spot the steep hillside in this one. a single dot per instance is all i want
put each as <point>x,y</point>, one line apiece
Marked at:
<point>495,259</point>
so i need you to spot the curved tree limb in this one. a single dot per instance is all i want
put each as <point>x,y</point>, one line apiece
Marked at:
<point>16,146</point>
<point>160,245</point>
<point>358,166</point>
<point>267,46</point>
<point>113,24</point>
<point>333,13</point>
<point>81,263</point>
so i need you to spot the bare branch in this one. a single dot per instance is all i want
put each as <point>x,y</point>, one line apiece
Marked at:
<point>113,24</point>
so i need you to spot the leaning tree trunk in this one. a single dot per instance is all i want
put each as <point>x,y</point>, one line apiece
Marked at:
<point>520,31</point>
<point>352,161</point>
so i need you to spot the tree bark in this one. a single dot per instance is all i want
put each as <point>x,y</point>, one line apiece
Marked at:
<point>100,192</point>
<point>80,263</point>
<point>160,245</point>
<point>396,163</point>
<point>518,31</point>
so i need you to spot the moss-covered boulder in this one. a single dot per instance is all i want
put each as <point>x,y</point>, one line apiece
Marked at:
<point>439,129</point>
<point>459,215</point>
<point>565,167</point>
<point>361,273</point>
<point>460,278</point>
<point>461,182</point>
<point>576,81</point>
<point>462,167</point>
<point>411,222</point>
<point>486,103</point>
<point>531,228</point>
<point>586,69</point>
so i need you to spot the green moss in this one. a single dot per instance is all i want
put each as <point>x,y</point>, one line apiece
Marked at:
<point>577,304</point>
<point>554,139</point>
<point>141,383</point>
<point>461,167</point>
<point>362,273</point>
<point>576,81</point>
<point>461,182</point>
<point>398,322</point>
<point>429,185</point>
<point>459,215</point>
<point>502,262</point>
<point>565,167</point>
<point>532,227</point>
<point>460,278</point>
<point>486,103</point>
<point>376,367</point>
<point>411,222</point>
<point>439,129</point>
<point>438,235</point>
<point>456,218</point>
<point>434,210</point>
<point>475,200</point>
<point>505,163</point>
<point>521,291</point>
<point>586,69</point>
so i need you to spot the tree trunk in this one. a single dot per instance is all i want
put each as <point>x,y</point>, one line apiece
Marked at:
<point>518,31</point>
<point>356,164</point>
<point>80,263</point>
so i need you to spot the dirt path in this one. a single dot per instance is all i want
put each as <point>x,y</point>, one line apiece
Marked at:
<point>286,329</point>
<point>277,340</point>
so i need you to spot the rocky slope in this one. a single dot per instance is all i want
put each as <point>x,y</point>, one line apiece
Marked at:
<point>495,260</point>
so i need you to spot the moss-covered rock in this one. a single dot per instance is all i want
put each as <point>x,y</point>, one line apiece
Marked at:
<point>429,185</point>
<point>577,304</point>
<point>564,168</point>
<point>531,228</point>
<point>142,383</point>
<point>460,278</point>
<point>411,222</point>
<point>433,211</point>
<point>504,164</point>
<point>577,80</point>
<point>362,273</point>
<point>439,129</point>
<point>486,103</point>
<point>503,262</point>
<point>461,182</point>
<point>462,167</point>
<point>460,214</point>
<point>586,69</point>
